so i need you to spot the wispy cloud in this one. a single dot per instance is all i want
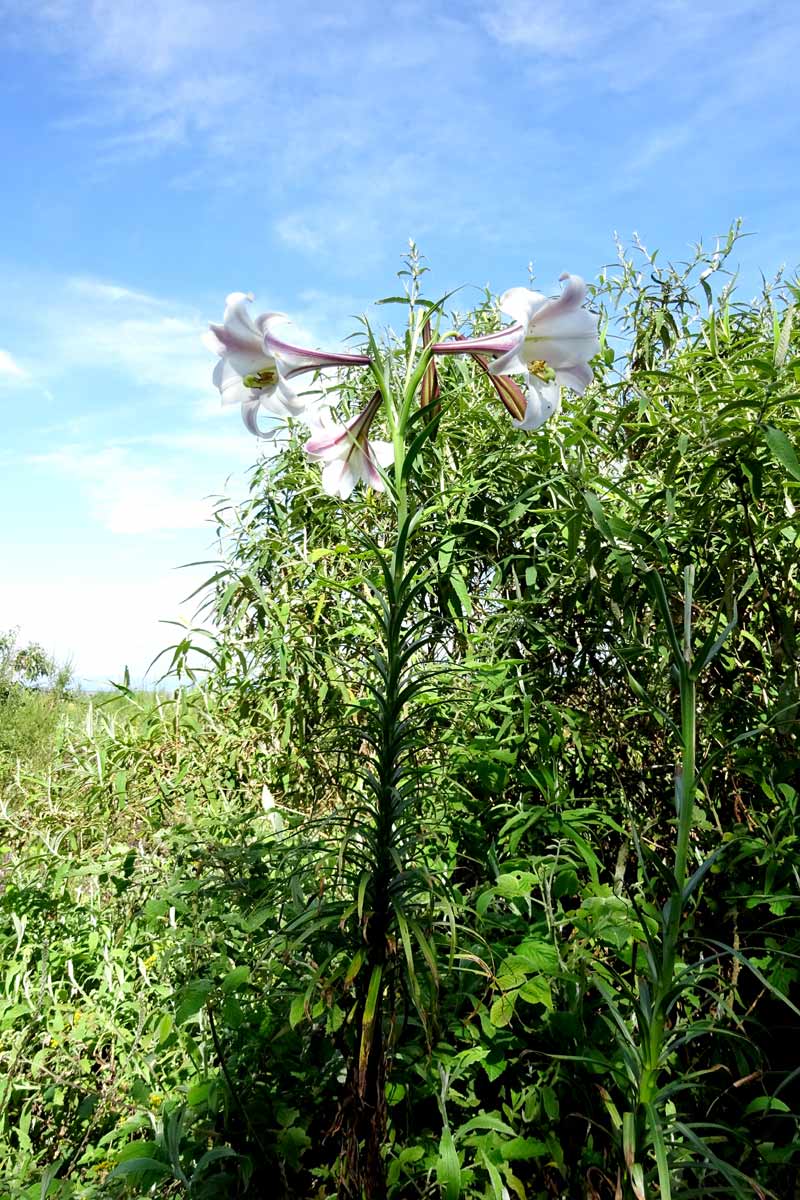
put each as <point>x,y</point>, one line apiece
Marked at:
<point>93,340</point>
<point>550,27</point>
<point>96,289</point>
<point>10,370</point>
<point>126,496</point>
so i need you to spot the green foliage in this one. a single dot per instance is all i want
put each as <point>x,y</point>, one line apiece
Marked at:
<point>32,689</point>
<point>476,851</point>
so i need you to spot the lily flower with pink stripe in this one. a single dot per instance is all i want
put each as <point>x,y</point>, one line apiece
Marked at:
<point>552,338</point>
<point>297,360</point>
<point>349,455</point>
<point>246,373</point>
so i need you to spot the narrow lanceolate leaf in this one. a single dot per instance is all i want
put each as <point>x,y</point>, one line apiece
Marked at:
<point>700,874</point>
<point>510,393</point>
<point>783,450</point>
<point>782,346</point>
<point>368,1025</point>
<point>430,391</point>
<point>629,1139</point>
<point>448,1167</point>
<point>660,1148</point>
<point>655,586</point>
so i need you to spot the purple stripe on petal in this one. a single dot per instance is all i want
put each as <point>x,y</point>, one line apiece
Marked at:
<point>487,343</point>
<point>306,358</point>
<point>234,341</point>
<point>353,431</point>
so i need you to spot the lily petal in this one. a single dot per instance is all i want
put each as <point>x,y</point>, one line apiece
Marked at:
<point>338,478</point>
<point>511,363</point>
<point>250,407</point>
<point>543,400</point>
<point>382,452</point>
<point>229,382</point>
<point>521,304</point>
<point>578,377</point>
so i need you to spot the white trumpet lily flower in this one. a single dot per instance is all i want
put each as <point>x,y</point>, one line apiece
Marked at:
<point>553,332</point>
<point>349,455</point>
<point>246,373</point>
<point>551,343</point>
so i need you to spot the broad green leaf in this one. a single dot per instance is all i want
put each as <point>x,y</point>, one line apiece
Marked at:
<point>235,978</point>
<point>194,998</point>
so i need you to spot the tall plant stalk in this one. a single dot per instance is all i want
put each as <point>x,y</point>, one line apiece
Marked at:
<point>390,738</point>
<point>656,1012</point>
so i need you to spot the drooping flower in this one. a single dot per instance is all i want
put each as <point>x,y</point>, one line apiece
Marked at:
<point>551,342</point>
<point>246,373</point>
<point>348,453</point>
<point>556,332</point>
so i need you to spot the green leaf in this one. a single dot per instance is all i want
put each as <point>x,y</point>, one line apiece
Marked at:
<point>235,978</point>
<point>164,1028</point>
<point>766,1104</point>
<point>598,515</point>
<point>537,955</point>
<point>459,586</point>
<point>485,1121</point>
<point>297,1010</point>
<point>194,998</point>
<point>782,343</point>
<point>502,1010</point>
<point>140,1166</point>
<point>782,450</point>
<point>521,1148</point>
<point>448,1167</point>
<point>368,1021</point>
<point>212,1156</point>
<point>536,990</point>
<point>513,885</point>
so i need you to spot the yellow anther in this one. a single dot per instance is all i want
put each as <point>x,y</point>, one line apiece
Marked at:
<point>539,367</point>
<point>259,380</point>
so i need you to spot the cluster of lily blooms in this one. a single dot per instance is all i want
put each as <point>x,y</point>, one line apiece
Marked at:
<point>550,343</point>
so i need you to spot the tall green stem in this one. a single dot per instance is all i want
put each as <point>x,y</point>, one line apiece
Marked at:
<point>365,1167</point>
<point>685,789</point>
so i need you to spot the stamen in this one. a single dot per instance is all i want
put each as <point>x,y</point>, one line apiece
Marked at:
<point>539,368</point>
<point>260,380</point>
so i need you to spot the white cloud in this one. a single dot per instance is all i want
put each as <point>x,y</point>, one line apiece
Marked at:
<point>9,369</point>
<point>551,27</point>
<point>144,37</point>
<point>165,351</point>
<point>294,230</point>
<point>658,145</point>
<point>96,289</point>
<point>89,330</point>
<point>127,496</point>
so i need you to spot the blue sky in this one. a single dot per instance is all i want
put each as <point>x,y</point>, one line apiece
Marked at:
<point>161,153</point>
